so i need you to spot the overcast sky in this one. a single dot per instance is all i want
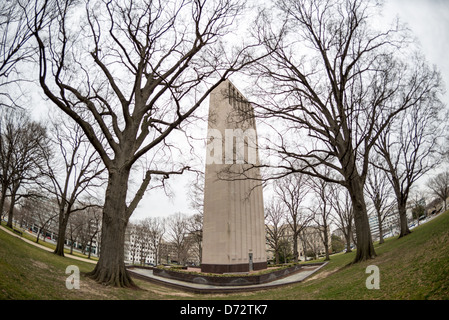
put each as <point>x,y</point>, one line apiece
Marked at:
<point>428,19</point>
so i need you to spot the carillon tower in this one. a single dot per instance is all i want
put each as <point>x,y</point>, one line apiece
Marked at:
<point>233,225</point>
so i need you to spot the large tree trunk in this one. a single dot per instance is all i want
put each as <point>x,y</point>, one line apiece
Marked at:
<point>348,234</point>
<point>11,206</point>
<point>365,248</point>
<point>110,269</point>
<point>63,221</point>
<point>295,246</point>
<point>2,200</point>
<point>381,232</point>
<point>11,212</point>
<point>326,243</point>
<point>403,218</point>
<point>348,242</point>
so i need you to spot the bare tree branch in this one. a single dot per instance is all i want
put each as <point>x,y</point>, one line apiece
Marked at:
<point>131,75</point>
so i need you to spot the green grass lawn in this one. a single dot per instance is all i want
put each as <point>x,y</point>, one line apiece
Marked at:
<point>414,267</point>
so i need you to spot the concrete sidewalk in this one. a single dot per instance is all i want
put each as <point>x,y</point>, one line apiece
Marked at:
<point>147,275</point>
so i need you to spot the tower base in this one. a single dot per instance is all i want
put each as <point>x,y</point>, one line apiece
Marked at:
<point>232,268</point>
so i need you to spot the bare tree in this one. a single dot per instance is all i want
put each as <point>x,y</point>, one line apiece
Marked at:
<point>439,185</point>
<point>311,238</point>
<point>156,232</point>
<point>177,234</point>
<point>195,222</point>
<point>15,47</point>
<point>3,209</point>
<point>322,212</point>
<point>331,86</point>
<point>75,229</point>
<point>130,74</point>
<point>417,204</point>
<point>41,212</point>
<point>292,191</point>
<point>195,230</point>
<point>81,170</point>
<point>196,193</point>
<point>379,190</point>
<point>276,227</point>
<point>341,203</point>
<point>22,146</point>
<point>93,225</point>
<point>410,146</point>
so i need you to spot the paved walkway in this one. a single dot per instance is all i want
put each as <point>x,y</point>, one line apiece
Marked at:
<point>68,255</point>
<point>147,274</point>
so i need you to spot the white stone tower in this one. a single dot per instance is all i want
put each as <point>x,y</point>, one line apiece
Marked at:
<point>234,229</point>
